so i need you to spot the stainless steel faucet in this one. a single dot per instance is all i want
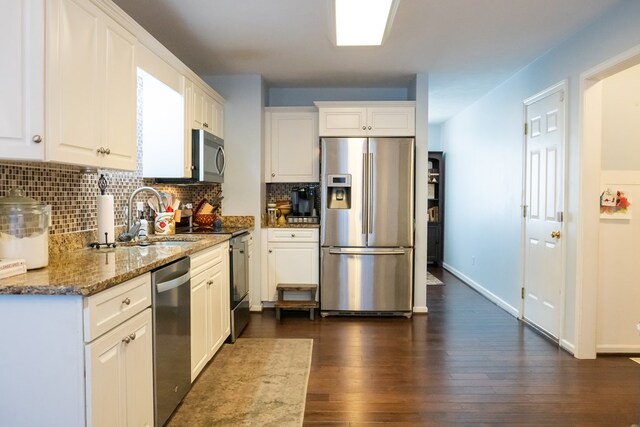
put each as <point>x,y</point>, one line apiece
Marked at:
<point>130,234</point>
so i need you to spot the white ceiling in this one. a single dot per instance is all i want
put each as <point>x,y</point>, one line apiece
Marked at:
<point>466,46</point>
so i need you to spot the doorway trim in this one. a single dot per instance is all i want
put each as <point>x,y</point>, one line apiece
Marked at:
<point>562,86</point>
<point>588,236</point>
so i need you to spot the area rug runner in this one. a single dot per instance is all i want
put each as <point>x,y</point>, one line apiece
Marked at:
<point>433,280</point>
<point>254,382</point>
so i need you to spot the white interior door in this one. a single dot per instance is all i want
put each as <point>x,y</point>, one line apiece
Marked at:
<point>544,195</point>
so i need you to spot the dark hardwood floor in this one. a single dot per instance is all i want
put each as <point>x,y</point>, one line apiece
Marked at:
<point>465,363</point>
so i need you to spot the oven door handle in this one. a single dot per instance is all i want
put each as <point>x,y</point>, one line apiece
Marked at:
<point>173,283</point>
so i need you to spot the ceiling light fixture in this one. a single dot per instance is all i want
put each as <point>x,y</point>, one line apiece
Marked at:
<point>363,22</point>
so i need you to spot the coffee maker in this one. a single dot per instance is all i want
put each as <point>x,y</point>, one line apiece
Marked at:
<point>303,201</point>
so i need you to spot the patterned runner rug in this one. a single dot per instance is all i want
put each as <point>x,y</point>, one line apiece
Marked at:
<point>254,382</point>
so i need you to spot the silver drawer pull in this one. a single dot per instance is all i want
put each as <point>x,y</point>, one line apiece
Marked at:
<point>132,336</point>
<point>126,301</point>
<point>126,340</point>
<point>293,235</point>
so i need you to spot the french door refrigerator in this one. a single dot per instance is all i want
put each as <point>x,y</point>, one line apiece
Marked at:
<point>367,218</point>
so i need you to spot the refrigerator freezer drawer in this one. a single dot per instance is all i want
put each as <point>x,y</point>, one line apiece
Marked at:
<point>366,280</point>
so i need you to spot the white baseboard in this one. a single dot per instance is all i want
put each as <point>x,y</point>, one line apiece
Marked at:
<point>483,291</point>
<point>256,308</point>
<point>569,346</point>
<point>617,348</point>
<point>420,310</point>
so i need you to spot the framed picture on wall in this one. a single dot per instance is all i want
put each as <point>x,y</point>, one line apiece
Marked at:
<point>615,203</point>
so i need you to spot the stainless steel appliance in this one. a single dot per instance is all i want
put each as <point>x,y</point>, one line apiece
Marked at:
<point>207,159</point>
<point>239,275</point>
<point>172,337</point>
<point>303,201</point>
<point>367,226</point>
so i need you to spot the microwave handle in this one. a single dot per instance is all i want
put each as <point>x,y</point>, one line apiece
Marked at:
<point>224,160</point>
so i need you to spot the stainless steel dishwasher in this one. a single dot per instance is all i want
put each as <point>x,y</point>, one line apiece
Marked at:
<point>172,337</point>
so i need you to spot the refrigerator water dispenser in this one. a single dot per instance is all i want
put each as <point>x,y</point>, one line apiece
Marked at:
<point>339,191</point>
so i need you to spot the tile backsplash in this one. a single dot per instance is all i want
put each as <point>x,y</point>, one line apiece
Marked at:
<point>72,193</point>
<point>282,191</point>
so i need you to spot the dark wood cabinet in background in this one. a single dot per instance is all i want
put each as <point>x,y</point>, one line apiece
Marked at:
<point>435,207</point>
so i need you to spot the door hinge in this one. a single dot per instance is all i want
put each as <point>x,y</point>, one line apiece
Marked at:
<point>524,211</point>
<point>522,292</point>
<point>560,216</point>
<point>526,128</point>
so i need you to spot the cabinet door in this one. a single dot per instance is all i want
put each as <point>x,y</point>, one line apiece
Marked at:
<point>293,147</point>
<point>75,82</point>
<point>217,311</point>
<point>22,79</point>
<point>198,109</point>
<point>120,96</point>
<point>199,323</point>
<point>120,375</point>
<point>225,304</point>
<point>209,123</point>
<point>343,122</point>
<point>291,263</point>
<point>138,369</point>
<point>391,121</point>
<point>218,117</point>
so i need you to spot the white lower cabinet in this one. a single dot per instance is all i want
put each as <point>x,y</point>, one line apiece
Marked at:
<point>120,382</point>
<point>292,257</point>
<point>210,306</point>
<point>78,361</point>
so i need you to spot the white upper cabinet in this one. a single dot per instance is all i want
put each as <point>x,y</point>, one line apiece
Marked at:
<point>367,119</point>
<point>22,79</point>
<point>291,145</point>
<point>91,87</point>
<point>207,112</point>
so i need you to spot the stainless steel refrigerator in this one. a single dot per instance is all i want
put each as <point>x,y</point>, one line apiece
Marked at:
<point>367,226</point>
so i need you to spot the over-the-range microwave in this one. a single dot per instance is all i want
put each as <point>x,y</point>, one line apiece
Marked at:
<point>208,160</point>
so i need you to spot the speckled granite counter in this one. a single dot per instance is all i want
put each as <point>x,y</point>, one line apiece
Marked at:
<point>87,271</point>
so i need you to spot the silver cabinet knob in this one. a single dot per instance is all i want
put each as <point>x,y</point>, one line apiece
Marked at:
<point>293,234</point>
<point>126,301</point>
<point>273,174</point>
<point>100,150</point>
<point>205,125</point>
<point>369,127</point>
<point>270,251</point>
<point>132,336</point>
<point>210,282</point>
<point>364,128</point>
<point>37,139</point>
<point>126,340</point>
<point>107,151</point>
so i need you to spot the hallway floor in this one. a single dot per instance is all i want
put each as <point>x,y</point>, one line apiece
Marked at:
<point>466,362</point>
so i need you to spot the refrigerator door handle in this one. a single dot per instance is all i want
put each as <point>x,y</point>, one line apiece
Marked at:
<point>370,196</point>
<point>367,252</point>
<point>365,198</point>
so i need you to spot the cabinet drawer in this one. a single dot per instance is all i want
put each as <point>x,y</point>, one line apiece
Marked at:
<point>204,259</point>
<point>109,308</point>
<point>293,235</point>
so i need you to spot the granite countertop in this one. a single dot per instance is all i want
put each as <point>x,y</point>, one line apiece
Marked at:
<point>88,271</point>
<point>298,225</point>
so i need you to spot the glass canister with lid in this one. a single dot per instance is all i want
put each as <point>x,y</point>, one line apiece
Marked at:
<point>24,229</point>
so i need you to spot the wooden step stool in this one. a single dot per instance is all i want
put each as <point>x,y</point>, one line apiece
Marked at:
<point>309,304</point>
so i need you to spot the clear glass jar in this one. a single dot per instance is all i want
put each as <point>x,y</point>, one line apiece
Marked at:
<point>24,229</point>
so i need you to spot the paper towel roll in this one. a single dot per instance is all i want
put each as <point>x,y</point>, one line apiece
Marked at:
<point>106,219</point>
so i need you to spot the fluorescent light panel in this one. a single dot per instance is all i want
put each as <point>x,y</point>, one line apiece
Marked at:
<point>361,22</point>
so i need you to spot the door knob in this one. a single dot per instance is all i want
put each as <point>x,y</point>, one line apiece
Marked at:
<point>555,234</point>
